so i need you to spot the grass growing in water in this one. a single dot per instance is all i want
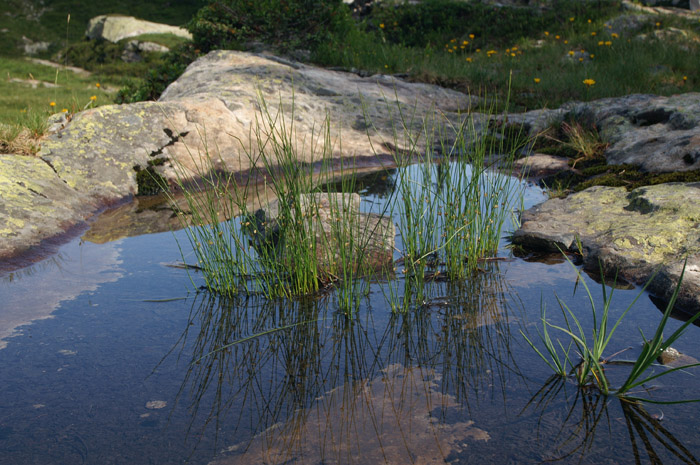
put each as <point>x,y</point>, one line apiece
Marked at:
<point>450,211</point>
<point>589,369</point>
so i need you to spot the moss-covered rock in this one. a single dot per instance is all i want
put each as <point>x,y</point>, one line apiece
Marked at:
<point>634,232</point>
<point>36,204</point>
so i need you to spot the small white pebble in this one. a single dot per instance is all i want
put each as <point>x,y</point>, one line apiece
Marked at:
<point>156,404</point>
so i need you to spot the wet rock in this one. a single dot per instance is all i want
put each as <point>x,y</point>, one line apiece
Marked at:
<point>668,356</point>
<point>673,358</point>
<point>651,228</point>
<point>369,238</point>
<point>36,204</point>
<point>116,27</point>
<point>391,418</point>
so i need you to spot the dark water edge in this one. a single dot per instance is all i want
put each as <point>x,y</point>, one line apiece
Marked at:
<point>450,382</point>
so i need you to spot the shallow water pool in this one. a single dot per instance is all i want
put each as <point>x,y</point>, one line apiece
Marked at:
<point>110,356</point>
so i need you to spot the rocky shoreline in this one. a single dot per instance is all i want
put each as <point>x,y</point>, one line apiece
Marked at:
<point>92,161</point>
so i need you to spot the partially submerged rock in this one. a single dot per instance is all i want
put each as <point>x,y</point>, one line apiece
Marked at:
<point>117,27</point>
<point>392,418</point>
<point>36,204</point>
<point>337,224</point>
<point>637,233</point>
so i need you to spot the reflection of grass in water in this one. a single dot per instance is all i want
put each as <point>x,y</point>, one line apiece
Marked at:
<point>590,410</point>
<point>588,369</point>
<point>283,359</point>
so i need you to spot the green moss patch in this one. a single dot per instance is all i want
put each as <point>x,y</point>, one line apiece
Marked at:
<point>149,181</point>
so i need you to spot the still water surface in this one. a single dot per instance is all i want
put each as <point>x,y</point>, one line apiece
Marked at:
<point>109,357</point>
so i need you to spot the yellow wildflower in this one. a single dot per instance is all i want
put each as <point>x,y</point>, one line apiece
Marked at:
<point>381,25</point>
<point>571,19</point>
<point>93,98</point>
<point>52,104</point>
<point>589,82</point>
<point>65,110</point>
<point>557,37</point>
<point>546,33</point>
<point>615,35</point>
<point>537,80</point>
<point>593,33</point>
<point>471,36</point>
<point>97,84</point>
<point>600,43</point>
<point>566,41</point>
<point>608,43</point>
<point>571,53</point>
<point>469,59</point>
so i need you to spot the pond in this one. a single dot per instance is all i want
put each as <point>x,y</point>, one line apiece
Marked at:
<point>109,355</point>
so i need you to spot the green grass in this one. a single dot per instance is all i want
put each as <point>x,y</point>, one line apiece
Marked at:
<point>296,253</point>
<point>23,106</point>
<point>47,22</point>
<point>625,65</point>
<point>449,209</point>
<point>587,366</point>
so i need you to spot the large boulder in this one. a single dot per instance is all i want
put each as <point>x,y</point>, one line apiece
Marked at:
<point>219,107</point>
<point>224,107</point>
<point>36,204</point>
<point>117,27</point>
<point>650,229</point>
<point>659,134</point>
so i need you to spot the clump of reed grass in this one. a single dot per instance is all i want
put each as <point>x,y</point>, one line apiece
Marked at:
<point>587,364</point>
<point>302,250</point>
<point>450,208</point>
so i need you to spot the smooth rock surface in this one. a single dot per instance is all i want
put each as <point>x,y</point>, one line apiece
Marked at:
<point>117,27</point>
<point>651,228</point>
<point>215,109</point>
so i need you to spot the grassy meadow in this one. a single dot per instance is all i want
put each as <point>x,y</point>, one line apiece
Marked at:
<point>568,51</point>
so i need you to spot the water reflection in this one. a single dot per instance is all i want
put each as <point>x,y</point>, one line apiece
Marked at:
<point>574,436</point>
<point>302,382</point>
<point>33,293</point>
